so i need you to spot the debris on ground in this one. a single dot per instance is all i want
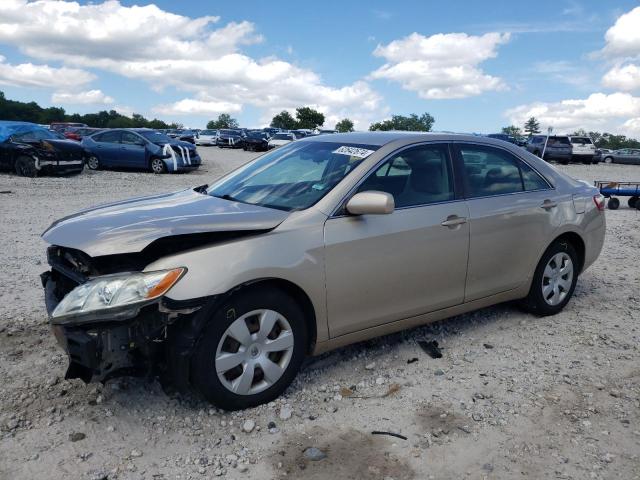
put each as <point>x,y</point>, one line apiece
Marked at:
<point>431,348</point>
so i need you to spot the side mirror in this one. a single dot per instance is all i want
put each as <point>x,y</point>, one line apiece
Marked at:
<point>371,203</point>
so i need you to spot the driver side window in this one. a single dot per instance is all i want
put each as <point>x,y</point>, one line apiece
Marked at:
<point>416,176</point>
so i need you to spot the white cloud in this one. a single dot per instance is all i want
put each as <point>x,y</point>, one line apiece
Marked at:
<point>625,78</point>
<point>623,46</point>
<point>442,65</point>
<point>623,38</point>
<point>190,106</point>
<point>598,111</point>
<point>30,75</point>
<point>81,98</point>
<point>192,55</point>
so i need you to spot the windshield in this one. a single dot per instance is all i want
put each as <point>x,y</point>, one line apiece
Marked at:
<point>36,135</point>
<point>208,132</point>
<point>293,177</point>
<point>230,133</point>
<point>282,136</point>
<point>155,137</point>
<point>257,135</point>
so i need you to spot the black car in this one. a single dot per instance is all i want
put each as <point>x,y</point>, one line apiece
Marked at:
<point>255,142</point>
<point>182,135</point>
<point>521,142</point>
<point>31,150</point>
<point>229,138</point>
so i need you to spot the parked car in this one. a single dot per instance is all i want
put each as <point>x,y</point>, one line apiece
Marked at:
<point>504,137</point>
<point>206,137</point>
<point>280,139</point>
<point>227,288</point>
<point>583,150</point>
<point>229,138</point>
<point>78,133</point>
<point>31,150</point>
<point>62,126</point>
<point>140,148</point>
<point>255,141</point>
<point>624,155</point>
<point>558,147</point>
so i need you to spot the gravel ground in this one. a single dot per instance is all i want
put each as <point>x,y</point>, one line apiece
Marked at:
<point>513,396</point>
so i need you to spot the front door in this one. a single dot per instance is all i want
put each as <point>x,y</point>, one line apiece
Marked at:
<point>108,148</point>
<point>133,150</point>
<point>382,268</point>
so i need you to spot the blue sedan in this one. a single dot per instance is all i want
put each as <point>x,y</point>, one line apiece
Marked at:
<point>139,148</point>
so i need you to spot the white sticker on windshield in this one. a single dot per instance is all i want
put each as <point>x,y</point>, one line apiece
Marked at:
<point>353,151</point>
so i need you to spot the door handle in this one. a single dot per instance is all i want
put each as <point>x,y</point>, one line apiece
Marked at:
<point>453,221</point>
<point>548,204</point>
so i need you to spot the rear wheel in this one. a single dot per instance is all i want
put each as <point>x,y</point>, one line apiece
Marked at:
<point>554,280</point>
<point>613,203</point>
<point>158,166</point>
<point>26,166</point>
<point>633,202</point>
<point>251,350</point>
<point>608,160</point>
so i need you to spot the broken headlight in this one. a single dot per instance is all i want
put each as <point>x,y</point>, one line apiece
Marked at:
<point>116,295</point>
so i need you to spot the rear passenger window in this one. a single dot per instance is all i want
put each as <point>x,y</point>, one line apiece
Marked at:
<point>108,137</point>
<point>532,180</point>
<point>416,176</point>
<point>493,171</point>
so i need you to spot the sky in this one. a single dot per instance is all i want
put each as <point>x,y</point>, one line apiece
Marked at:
<point>474,66</point>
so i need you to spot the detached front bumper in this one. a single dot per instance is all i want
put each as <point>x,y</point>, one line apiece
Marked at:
<point>143,344</point>
<point>59,167</point>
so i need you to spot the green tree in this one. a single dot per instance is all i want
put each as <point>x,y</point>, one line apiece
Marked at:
<point>224,121</point>
<point>307,117</point>
<point>512,130</point>
<point>344,125</point>
<point>412,123</point>
<point>532,126</point>
<point>284,120</point>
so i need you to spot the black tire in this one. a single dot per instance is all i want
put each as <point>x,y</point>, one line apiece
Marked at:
<point>203,374</point>
<point>26,166</point>
<point>633,202</point>
<point>93,163</point>
<point>613,204</point>
<point>157,166</point>
<point>638,204</point>
<point>535,302</point>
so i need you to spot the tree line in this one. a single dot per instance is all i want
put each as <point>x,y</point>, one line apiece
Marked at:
<point>606,140</point>
<point>309,118</point>
<point>32,112</point>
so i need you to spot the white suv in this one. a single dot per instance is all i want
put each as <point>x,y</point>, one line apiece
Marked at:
<point>583,149</point>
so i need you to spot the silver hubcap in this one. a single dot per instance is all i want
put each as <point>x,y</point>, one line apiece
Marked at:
<point>254,352</point>
<point>93,163</point>
<point>157,166</point>
<point>557,278</point>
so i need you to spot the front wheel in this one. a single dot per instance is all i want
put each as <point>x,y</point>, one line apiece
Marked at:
<point>158,166</point>
<point>93,163</point>
<point>633,202</point>
<point>26,166</point>
<point>608,159</point>
<point>251,350</point>
<point>554,280</point>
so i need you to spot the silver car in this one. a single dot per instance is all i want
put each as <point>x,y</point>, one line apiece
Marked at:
<point>320,243</point>
<point>629,156</point>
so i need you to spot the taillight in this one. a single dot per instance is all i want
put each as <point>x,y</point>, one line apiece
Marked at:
<point>599,201</point>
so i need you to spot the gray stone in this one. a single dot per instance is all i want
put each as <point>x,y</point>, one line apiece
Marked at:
<point>314,454</point>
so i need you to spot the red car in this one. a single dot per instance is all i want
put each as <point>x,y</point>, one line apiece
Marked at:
<point>75,133</point>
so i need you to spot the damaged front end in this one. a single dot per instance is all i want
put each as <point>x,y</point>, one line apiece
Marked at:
<point>112,319</point>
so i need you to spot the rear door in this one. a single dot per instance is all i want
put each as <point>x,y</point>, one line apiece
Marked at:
<point>512,213</point>
<point>108,148</point>
<point>382,268</point>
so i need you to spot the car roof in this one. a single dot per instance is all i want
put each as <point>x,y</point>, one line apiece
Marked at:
<point>382,138</point>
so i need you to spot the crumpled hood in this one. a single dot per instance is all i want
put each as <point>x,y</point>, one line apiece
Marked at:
<point>58,145</point>
<point>129,226</point>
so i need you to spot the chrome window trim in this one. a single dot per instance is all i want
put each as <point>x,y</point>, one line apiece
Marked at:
<point>350,193</point>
